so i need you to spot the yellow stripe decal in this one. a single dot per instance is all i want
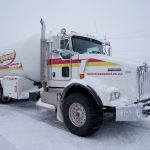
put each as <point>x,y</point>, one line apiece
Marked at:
<point>90,64</point>
<point>7,69</point>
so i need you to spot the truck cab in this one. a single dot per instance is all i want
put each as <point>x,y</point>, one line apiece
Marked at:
<point>66,53</point>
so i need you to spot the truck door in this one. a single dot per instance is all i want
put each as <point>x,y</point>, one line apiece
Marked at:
<point>61,62</point>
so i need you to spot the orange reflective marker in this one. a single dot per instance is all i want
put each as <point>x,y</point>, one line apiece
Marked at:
<point>82,76</point>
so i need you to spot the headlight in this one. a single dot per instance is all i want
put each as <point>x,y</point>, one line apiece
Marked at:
<point>114,96</point>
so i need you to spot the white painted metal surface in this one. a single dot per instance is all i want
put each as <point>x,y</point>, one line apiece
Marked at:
<point>17,87</point>
<point>23,60</point>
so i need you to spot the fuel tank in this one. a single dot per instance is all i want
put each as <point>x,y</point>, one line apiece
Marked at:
<point>22,60</point>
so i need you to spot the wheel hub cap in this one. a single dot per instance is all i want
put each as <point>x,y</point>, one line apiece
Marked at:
<point>77,114</point>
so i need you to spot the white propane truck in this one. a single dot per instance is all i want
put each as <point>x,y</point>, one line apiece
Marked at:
<point>79,78</point>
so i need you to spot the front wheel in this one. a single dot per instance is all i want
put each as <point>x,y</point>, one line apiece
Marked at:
<point>81,114</point>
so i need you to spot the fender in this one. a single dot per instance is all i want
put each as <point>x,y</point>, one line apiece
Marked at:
<point>87,88</point>
<point>95,87</point>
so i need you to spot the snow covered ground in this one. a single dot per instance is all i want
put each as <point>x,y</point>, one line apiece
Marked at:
<point>23,127</point>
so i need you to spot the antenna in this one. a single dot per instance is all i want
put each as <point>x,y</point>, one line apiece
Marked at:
<point>96,29</point>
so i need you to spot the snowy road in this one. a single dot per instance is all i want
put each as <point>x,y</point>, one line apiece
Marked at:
<point>23,127</point>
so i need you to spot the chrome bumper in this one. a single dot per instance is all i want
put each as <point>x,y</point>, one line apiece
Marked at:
<point>133,112</point>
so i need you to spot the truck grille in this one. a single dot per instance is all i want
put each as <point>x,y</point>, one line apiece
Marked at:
<point>143,77</point>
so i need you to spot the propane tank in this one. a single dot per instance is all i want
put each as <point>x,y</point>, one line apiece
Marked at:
<point>22,60</point>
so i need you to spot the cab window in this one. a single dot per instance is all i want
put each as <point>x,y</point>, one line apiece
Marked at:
<point>64,44</point>
<point>86,45</point>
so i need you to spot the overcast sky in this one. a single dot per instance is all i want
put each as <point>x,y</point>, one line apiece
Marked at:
<point>126,23</point>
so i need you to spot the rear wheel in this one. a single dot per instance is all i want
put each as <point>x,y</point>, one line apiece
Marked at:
<point>81,114</point>
<point>1,94</point>
<point>2,98</point>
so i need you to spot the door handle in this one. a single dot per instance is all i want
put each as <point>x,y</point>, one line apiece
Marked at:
<point>54,74</point>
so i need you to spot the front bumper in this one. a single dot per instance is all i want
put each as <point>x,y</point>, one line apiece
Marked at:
<point>133,112</point>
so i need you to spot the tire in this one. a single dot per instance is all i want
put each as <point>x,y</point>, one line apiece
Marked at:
<point>2,98</point>
<point>81,115</point>
<point>1,94</point>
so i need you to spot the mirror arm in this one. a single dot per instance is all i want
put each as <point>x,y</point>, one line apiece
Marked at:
<point>55,51</point>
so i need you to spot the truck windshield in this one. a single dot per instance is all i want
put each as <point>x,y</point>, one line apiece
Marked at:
<point>86,45</point>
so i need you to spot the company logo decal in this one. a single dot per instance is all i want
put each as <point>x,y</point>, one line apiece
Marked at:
<point>104,73</point>
<point>7,57</point>
<point>7,61</point>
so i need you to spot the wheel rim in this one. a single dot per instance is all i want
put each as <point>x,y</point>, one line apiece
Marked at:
<point>77,114</point>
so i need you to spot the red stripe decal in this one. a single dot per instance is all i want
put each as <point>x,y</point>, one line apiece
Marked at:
<point>94,60</point>
<point>15,65</point>
<point>62,61</point>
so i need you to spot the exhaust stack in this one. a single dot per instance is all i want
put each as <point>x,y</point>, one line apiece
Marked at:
<point>42,29</point>
<point>43,54</point>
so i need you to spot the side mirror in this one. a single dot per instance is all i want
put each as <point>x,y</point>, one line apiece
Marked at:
<point>107,48</point>
<point>65,54</point>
